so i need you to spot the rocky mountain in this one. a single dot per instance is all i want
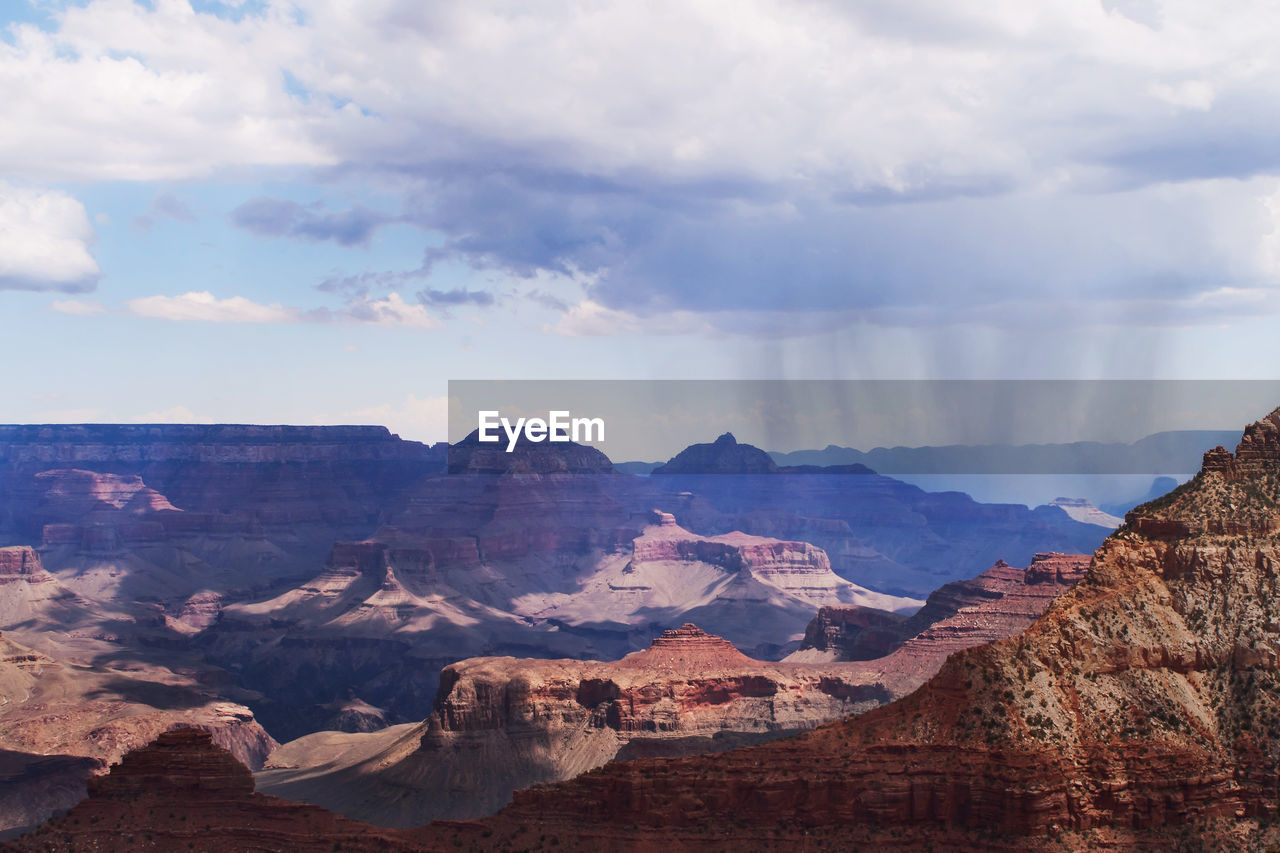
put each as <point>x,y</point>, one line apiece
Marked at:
<point>722,456</point>
<point>1169,452</point>
<point>84,681</point>
<point>183,792</point>
<point>1085,512</point>
<point>503,723</point>
<point>389,618</point>
<point>268,475</point>
<point>323,576</point>
<point>998,603</point>
<point>878,532</point>
<point>472,456</point>
<point>185,516</point>
<point>62,721</point>
<point>1142,711</point>
<point>850,632</point>
<point>757,592</point>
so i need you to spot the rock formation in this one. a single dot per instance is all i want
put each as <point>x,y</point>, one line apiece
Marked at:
<point>757,592</point>
<point>280,569</point>
<point>1141,712</point>
<point>29,594</point>
<point>1085,512</point>
<point>504,723</point>
<point>723,456</point>
<point>182,792</point>
<point>60,722</point>
<point>998,603</point>
<point>850,632</point>
<point>878,532</point>
<point>472,456</point>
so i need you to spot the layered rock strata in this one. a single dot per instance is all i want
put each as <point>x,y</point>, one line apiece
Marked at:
<point>182,792</point>
<point>1141,712</point>
<point>503,723</point>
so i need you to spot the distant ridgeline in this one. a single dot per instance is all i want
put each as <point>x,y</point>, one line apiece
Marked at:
<point>1173,452</point>
<point>81,443</point>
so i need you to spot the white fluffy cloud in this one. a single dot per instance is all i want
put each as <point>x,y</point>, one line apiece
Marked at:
<point>423,419</point>
<point>854,97</point>
<point>205,307</point>
<point>591,319</point>
<point>119,91</point>
<point>202,306</point>
<point>907,160</point>
<point>44,241</point>
<point>391,311</point>
<point>174,415</point>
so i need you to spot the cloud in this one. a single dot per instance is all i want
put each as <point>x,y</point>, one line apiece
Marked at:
<point>165,205</point>
<point>391,311</point>
<point>590,319</point>
<point>118,90</point>
<point>455,297</point>
<point>894,164</point>
<point>77,307</point>
<point>202,306</point>
<point>274,217</point>
<point>174,415</point>
<point>360,286</point>
<point>44,241</point>
<point>423,419</point>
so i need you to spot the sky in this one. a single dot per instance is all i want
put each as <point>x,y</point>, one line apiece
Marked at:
<point>321,212</point>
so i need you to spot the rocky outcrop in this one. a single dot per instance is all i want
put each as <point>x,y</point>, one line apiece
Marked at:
<point>474,457</point>
<point>1142,711</point>
<point>182,792</point>
<point>998,603</point>
<point>353,714</point>
<point>878,532</point>
<point>1080,509</point>
<point>687,681</point>
<point>722,456</point>
<point>61,722</point>
<point>213,541</point>
<point>763,557</point>
<point>29,595</point>
<point>503,723</point>
<point>850,632</point>
<point>182,761</point>
<point>755,591</point>
<point>22,564</point>
<point>111,474</point>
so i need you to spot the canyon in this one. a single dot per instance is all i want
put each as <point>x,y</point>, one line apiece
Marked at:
<point>183,792</point>
<point>269,582</point>
<point>504,723</point>
<point>1140,712</point>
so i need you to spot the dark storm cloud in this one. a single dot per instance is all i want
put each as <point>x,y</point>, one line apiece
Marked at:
<point>275,217</point>
<point>455,297</point>
<point>931,254</point>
